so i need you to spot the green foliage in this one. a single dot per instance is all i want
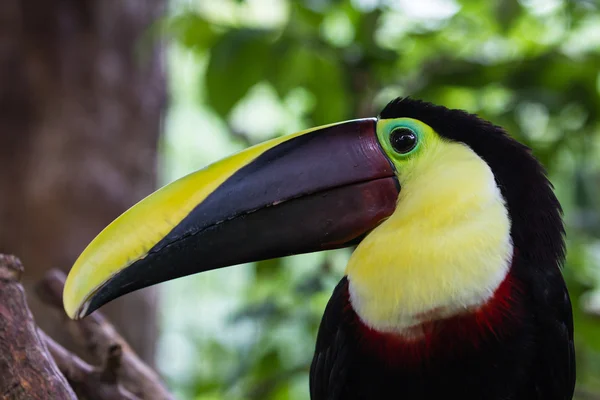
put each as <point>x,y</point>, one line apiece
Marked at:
<point>237,62</point>
<point>531,66</point>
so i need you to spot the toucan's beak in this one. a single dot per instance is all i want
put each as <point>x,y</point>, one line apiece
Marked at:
<point>319,189</point>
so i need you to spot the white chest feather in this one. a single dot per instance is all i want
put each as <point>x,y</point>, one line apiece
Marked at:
<point>445,249</point>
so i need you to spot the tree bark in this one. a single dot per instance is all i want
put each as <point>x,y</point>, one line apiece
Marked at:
<point>27,371</point>
<point>81,96</point>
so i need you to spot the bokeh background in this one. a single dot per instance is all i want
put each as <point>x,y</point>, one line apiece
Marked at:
<point>134,95</point>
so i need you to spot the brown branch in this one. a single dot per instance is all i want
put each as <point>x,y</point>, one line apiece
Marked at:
<point>89,382</point>
<point>113,364</point>
<point>27,371</point>
<point>97,337</point>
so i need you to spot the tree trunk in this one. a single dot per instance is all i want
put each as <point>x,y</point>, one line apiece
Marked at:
<point>81,96</point>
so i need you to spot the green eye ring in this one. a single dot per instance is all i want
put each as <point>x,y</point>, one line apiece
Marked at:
<point>400,137</point>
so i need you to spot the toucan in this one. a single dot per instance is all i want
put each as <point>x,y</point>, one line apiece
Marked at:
<point>454,288</point>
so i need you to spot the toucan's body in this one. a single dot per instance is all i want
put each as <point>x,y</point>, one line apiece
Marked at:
<point>454,289</point>
<point>459,359</point>
<point>518,346</point>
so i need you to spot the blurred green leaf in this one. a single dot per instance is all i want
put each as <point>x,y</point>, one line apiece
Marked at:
<point>329,87</point>
<point>237,63</point>
<point>191,30</point>
<point>321,74</point>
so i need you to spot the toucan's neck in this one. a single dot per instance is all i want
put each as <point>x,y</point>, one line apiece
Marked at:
<point>444,252</point>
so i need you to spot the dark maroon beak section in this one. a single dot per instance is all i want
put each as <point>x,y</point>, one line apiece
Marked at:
<point>322,189</point>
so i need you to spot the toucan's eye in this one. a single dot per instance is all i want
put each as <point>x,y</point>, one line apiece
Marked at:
<point>403,140</point>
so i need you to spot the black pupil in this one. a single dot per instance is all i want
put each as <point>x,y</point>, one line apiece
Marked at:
<point>403,140</point>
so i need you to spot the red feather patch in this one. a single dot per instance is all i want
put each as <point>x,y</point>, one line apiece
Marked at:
<point>442,337</point>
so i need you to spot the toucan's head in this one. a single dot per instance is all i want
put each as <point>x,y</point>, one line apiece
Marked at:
<point>437,200</point>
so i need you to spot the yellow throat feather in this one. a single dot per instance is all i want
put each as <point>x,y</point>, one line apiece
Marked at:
<point>446,248</point>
